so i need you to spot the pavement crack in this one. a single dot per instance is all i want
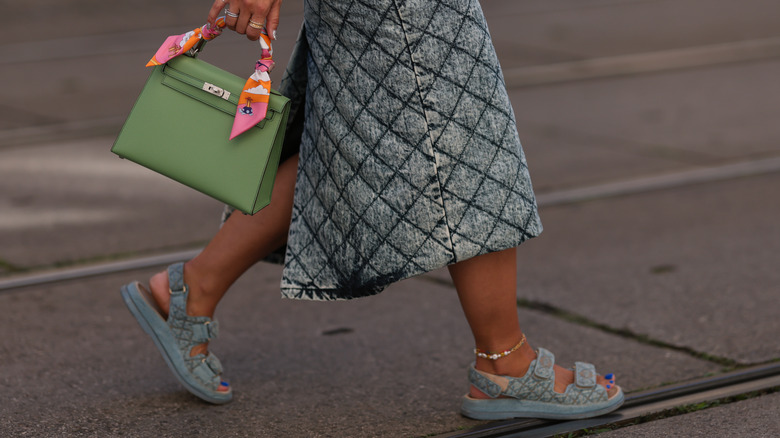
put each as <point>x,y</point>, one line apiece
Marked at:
<point>728,364</point>
<point>624,333</point>
<point>10,267</point>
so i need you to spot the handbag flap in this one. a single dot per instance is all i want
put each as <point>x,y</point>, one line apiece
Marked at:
<point>194,78</point>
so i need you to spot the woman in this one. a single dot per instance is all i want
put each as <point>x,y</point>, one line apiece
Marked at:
<point>405,158</point>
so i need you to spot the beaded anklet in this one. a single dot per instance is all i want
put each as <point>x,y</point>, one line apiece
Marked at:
<point>494,356</point>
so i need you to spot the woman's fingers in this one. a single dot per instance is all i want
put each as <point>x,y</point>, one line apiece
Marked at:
<point>242,22</point>
<point>248,17</point>
<point>254,26</point>
<point>272,19</point>
<point>215,10</point>
<point>231,15</point>
<point>252,17</point>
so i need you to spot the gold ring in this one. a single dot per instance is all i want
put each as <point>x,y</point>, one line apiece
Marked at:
<point>255,25</point>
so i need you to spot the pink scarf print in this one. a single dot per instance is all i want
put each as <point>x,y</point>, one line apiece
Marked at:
<point>253,102</point>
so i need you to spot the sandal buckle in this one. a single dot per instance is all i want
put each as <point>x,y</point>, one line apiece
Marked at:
<point>182,291</point>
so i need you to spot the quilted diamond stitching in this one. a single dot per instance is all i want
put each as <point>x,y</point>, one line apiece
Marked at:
<point>366,123</point>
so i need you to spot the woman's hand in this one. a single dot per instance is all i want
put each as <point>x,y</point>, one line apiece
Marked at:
<point>250,16</point>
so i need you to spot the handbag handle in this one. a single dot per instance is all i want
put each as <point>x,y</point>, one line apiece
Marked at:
<point>193,52</point>
<point>253,102</point>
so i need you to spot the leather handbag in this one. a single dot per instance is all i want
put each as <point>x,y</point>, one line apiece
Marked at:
<point>180,124</point>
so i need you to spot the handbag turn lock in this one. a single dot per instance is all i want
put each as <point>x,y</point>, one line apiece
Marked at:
<point>217,91</point>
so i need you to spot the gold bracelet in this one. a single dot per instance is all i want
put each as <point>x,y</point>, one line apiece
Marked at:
<point>494,356</point>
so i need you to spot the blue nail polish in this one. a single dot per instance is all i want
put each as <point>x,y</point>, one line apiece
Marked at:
<point>611,381</point>
<point>609,376</point>
<point>609,386</point>
<point>225,384</point>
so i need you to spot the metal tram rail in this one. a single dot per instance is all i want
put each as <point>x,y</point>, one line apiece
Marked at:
<point>637,406</point>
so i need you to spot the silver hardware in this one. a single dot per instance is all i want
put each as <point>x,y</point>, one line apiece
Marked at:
<point>217,91</point>
<point>193,52</point>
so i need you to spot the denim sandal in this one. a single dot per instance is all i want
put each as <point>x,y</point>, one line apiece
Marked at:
<point>533,395</point>
<point>175,337</point>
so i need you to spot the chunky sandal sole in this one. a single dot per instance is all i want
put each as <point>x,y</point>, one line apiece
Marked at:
<point>157,329</point>
<point>506,408</point>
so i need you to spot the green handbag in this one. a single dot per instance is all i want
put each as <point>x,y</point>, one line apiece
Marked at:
<point>180,124</point>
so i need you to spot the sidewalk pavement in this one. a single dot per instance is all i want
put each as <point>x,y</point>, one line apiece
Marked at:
<point>658,287</point>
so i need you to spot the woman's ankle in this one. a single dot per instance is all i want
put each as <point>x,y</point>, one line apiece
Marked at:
<point>203,297</point>
<point>200,300</point>
<point>515,364</point>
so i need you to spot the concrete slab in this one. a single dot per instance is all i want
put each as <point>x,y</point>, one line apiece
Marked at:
<point>546,31</point>
<point>559,158</point>
<point>756,417</point>
<point>697,117</point>
<point>76,200</point>
<point>91,17</point>
<point>74,361</point>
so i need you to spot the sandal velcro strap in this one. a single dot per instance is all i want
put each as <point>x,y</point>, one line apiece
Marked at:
<point>206,369</point>
<point>545,361</point>
<point>584,375</point>
<point>214,364</point>
<point>178,304</point>
<point>205,331</point>
<point>176,277</point>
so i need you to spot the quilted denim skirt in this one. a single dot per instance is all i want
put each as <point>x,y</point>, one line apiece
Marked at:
<point>409,153</point>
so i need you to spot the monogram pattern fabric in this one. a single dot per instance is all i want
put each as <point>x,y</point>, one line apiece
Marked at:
<point>409,154</point>
<point>481,382</point>
<point>190,331</point>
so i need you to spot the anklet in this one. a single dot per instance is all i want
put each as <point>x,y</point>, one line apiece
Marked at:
<point>494,356</point>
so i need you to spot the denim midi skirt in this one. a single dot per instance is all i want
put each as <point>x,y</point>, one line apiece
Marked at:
<point>409,154</point>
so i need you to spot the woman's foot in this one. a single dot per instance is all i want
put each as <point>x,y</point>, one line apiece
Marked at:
<point>197,305</point>
<point>517,364</point>
<point>540,390</point>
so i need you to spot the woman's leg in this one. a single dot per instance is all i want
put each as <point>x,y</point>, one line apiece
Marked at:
<point>242,241</point>
<point>487,287</point>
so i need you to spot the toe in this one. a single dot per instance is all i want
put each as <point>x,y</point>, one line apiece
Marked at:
<point>608,381</point>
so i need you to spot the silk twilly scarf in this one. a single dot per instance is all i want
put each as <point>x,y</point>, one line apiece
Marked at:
<point>253,102</point>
